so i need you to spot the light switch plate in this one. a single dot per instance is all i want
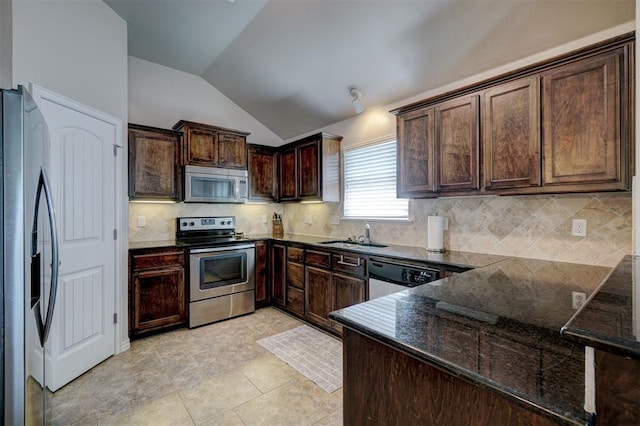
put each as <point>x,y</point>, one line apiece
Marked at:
<point>142,221</point>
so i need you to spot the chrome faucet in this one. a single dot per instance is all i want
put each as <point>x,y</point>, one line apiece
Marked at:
<point>367,233</point>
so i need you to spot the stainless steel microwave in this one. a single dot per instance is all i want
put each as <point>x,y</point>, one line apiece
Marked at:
<point>214,185</point>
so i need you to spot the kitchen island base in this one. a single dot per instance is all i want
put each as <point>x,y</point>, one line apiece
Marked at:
<point>385,386</point>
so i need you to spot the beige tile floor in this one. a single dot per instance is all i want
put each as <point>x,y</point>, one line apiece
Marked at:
<point>212,375</point>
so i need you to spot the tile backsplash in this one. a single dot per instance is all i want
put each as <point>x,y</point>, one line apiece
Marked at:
<point>161,218</point>
<point>526,226</point>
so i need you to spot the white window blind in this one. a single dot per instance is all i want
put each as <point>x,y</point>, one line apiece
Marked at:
<point>370,183</point>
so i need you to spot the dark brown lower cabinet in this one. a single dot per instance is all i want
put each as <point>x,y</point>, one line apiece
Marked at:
<point>277,272</point>
<point>385,386</point>
<point>345,291</point>
<point>617,389</point>
<point>318,295</point>
<point>157,294</point>
<point>262,274</point>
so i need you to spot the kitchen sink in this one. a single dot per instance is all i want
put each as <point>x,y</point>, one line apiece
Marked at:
<point>351,243</point>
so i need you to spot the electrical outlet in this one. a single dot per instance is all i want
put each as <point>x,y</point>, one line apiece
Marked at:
<point>308,219</point>
<point>579,227</point>
<point>142,221</point>
<point>264,218</point>
<point>577,299</point>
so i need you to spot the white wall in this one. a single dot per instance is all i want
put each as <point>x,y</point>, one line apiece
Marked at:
<point>160,96</point>
<point>6,38</point>
<point>78,49</point>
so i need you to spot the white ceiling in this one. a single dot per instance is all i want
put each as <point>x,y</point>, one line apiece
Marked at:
<point>290,63</point>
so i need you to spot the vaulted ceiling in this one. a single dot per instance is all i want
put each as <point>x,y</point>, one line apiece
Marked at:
<point>290,63</point>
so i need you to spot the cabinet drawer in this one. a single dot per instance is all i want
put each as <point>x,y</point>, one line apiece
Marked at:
<point>295,275</point>
<point>295,254</point>
<point>351,263</point>
<point>158,259</point>
<point>295,300</point>
<point>318,258</point>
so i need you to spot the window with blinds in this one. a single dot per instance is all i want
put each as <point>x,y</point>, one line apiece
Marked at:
<point>370,183</point>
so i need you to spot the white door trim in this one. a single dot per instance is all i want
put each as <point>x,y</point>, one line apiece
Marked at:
<point>121,343</point>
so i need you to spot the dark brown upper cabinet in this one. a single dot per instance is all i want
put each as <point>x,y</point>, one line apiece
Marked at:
<point>581,115</point>
<point>457,143</point>
<point>154,163</point>
<point>309,169</point>
<point>287,174</point>
<point>262,173</point>
<point>415,153</point>
<point>511,134</point>
<point>206,145</point>
<point>560,126</point>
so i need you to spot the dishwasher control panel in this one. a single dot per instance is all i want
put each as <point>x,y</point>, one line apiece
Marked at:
<point>404,275</point>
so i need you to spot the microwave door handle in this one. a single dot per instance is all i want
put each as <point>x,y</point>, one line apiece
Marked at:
<point>44,325</point>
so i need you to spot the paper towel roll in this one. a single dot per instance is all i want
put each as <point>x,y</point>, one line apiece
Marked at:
<point>435,233</point>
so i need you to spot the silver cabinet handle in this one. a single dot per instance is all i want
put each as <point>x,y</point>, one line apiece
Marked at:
<point>342,262</point>
<point>44,325</point>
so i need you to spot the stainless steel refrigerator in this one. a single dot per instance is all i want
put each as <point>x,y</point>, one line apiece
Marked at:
<point>30,261</point>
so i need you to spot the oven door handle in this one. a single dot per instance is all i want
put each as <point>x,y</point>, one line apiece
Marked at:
<point>225,248</point>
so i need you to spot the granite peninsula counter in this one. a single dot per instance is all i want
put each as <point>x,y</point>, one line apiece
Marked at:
<point>487,340</point>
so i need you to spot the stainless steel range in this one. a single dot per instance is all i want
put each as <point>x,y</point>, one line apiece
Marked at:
<point>221,269</point>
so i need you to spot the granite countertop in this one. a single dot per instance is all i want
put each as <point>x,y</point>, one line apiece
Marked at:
<point>610,320</point>
<point>418,254</point>
<point>497,326</point>
<point>412,253</point>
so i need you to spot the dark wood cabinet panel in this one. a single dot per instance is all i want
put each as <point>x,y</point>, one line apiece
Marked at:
<point>321,259</point>
<point>581,121</point>
<point>287,181</point>
<point>415,152</point>
<point>213,146</point>
<point>617,390</point>
<point>380,383</point>
<point>347,291</point>
<point>511,143</point>
<point>277,260</point>
<point>232,151</point>
<point>317,295</point>
<point>262,173</point>
<point>350,263</point>
<point>295,254</point>
<point>262,273</point>
<point>295,275</point>
<point>295,300</point>
<point>310,169</point>
<point>558,373</point>
<point>154,163</point>
<point>561,126</point>
<point>457,142</point>
<point>157,293</point>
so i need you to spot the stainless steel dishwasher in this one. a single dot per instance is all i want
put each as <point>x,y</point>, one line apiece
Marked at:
<point>390,277</point>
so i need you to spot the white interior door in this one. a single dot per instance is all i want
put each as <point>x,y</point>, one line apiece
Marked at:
<point>83,183</point>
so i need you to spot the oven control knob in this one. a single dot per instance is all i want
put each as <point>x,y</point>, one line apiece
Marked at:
<point>192,224</point>
<point>184,223</point>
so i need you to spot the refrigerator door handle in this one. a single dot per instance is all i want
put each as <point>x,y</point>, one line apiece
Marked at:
<point>44,325</point>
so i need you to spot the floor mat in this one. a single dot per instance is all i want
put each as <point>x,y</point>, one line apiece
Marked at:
<point>314,354</point>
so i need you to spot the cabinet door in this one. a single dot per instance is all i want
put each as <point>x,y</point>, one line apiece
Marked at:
<point>288,184</point>
<point>511,122</point>
<point>581,122</point>
<point>262,281</point>
<point>232,151</point>
<point>317,297</point>
<point>154,164</point>
<point>158,299</point>
<point>309,170</point>
<point>415,153</point>
<point>262,173</point>
<point>200,147</point>
<point>457,141</point>
<point>278,275</point>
